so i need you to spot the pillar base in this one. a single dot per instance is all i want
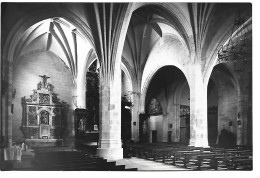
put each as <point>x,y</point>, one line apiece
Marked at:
<point>110,153</point>
<point>199,143</point>
<point>69,141</point>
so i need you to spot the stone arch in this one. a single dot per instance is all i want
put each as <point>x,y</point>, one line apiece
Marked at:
<point>179,22</point>
<point>81,79</point>
<point>128,75</point>
<point>177,102</point>
<point>176,18</point>
<point>36,16</point>
<point>235,80</point>
<point>213,61</point>
<point>234,87</point>
<point>26,21</point>
<point>127,69</point>
<point>148,80</point>
<point>171,96</point>
<point>171,59</point>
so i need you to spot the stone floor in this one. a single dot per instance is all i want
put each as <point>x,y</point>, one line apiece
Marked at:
<point>146,165</point>
<point>140,164</point>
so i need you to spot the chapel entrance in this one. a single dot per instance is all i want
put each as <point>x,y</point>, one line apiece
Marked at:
<point>154,136</point>
<point>222,107</point>
<point>87,120</point>
<point>167,105</point>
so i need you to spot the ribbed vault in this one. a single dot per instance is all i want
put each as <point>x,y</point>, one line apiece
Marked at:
<point>60,37</point>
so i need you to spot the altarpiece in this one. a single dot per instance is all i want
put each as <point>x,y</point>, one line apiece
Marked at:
<point>42,116</point>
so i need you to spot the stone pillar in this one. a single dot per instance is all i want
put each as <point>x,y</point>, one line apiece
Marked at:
<point>165,127</point>
<point>6,115</point>
<point>69,140</point>
<point>135,117</point>
<point>109,53</point>
<point>110,145</point>
<point>4,120</point>
<point>241,115</point>
<point>242,112</point>
<point>176,123</point>
<point>81,92</point>
<point>174,129</point>
<point>8,108</point>
<point>239,129</point>
<point>198,109</point>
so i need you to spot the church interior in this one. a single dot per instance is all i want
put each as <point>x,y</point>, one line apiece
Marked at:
<point>87,85</point>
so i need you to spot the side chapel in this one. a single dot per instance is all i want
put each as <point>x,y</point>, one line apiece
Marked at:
<point>42,118</point>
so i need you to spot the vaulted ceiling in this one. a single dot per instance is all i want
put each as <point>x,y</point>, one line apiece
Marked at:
<point>200,27</point>
<point>58,36</point>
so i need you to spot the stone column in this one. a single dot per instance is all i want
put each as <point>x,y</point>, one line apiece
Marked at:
<point>176,123</point>
<point>4,122</point>
<point>69,140</point>
<point>81,91</point>
<point>135,117</point>
<point>8,107</point>
<point>242,112</point>
<point>241,115</point>
<point>174,131</point>
<point>198,109</point>
<point>165,127</point>
<point>110,145</point>
<point>109,20</point>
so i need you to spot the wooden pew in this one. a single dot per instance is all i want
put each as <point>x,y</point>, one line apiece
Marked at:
<point>242,164</point>
<point>74,161</point>
<point>198,157</point>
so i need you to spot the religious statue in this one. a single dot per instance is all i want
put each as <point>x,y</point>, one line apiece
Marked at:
<point>44,117</point>
<point>34,95</point>
<point>44,84</point>
<point>81,125</point>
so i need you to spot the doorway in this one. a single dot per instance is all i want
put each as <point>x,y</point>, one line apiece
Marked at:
<point>169,136</point>
<point>154,136</point>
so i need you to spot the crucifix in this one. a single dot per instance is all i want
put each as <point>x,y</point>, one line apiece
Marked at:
<point>44,79</point>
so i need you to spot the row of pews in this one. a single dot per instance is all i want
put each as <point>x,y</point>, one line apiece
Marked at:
<point>196,158</point>
<point>73,161</point>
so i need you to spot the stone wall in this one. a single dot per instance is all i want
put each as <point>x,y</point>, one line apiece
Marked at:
<point>155,123</point>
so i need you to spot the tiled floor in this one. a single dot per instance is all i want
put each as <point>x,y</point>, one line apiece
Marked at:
<point>146,165</point>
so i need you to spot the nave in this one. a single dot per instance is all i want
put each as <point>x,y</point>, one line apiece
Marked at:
<point>155,156</point>
<point>195,158</point>
<point>61,159</point>
<point>161,82</point>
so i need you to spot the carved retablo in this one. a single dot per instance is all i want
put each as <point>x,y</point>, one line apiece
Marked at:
<point>42,112</point>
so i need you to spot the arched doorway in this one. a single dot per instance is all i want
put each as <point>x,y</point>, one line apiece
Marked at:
<point>126,104</point>
<point>167,107</point>
<point>92,96</point>
<point>222,107</point>
<point>184,113</point>
<point>212,113</point>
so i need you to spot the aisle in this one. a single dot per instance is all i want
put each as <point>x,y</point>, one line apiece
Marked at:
<point>146,165</point>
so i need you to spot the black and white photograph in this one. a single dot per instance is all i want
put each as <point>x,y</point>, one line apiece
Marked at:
<point>127,86</point>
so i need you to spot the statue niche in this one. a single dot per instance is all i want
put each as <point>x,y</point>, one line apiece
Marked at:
<point>42,118</point>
